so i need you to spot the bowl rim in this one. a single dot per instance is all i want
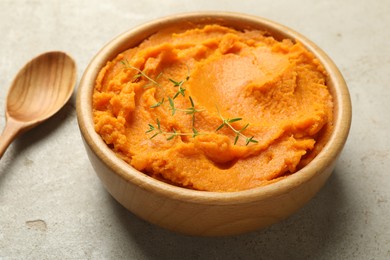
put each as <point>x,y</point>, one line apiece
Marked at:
<point>329,153</point>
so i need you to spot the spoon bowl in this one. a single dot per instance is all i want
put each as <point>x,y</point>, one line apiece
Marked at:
<point>39,90</point>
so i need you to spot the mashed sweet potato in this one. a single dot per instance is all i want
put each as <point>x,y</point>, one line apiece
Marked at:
<point>215,109</point>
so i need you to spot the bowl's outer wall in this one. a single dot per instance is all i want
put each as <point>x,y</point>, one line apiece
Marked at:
<point>189,212</point>
<point>197,218</point>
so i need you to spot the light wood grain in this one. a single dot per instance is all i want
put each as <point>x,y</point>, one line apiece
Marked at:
<point>210,213</point>
<point>38,91</point>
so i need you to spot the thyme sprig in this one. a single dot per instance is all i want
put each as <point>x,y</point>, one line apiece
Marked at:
<point>180,84</point>
<point>140,74</point>
<point>126,63</point>
<point>156,129</point>
<point>189,111</point>
<point>227,122</point>
<point>192,110</point>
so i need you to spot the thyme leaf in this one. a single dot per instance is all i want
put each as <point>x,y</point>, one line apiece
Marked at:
<point>157,104</point>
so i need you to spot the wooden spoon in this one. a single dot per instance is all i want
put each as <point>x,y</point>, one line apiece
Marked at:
<point>39,90</point>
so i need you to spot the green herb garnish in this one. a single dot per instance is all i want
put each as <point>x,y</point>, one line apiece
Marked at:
<point>192,110</point>
<point>227,122</point>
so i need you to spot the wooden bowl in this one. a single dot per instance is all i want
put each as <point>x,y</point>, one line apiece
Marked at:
<point>200,212</point>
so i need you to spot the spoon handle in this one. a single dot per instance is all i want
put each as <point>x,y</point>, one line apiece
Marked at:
<point>12,129</point>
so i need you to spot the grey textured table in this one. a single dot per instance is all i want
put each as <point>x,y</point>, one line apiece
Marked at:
<point>52,205</point>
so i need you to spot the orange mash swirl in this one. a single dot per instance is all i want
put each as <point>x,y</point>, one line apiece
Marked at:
<point>159,105</point>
